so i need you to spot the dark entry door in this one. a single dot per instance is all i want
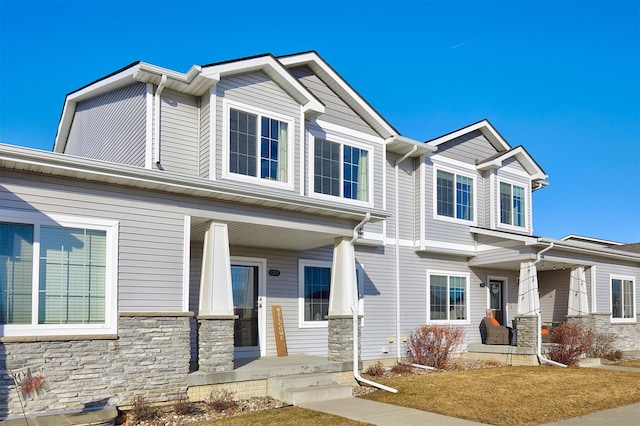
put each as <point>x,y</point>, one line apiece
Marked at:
<point>495,299</point>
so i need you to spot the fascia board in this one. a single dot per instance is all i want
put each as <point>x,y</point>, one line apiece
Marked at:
<point>507,236</point>
<point>273,69</point>
<point>598,251</point>
<point>342,88</point>
<point>522,157</point>
<point>484,126</point>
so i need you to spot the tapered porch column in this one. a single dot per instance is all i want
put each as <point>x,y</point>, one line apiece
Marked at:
<point>528,306</point>
<point>216,317</point>
<point>342,295</point>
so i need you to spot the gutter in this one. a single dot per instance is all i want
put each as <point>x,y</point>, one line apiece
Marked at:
<point>354,312</point>
<point>541,359</point>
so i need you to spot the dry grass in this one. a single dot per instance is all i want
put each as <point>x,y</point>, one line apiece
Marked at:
<point>630,363</point>
<point>289,416</point>
<point>515,395</point>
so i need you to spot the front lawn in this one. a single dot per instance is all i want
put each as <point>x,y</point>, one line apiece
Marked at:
<point>289,416</point>
<point>514,395</point>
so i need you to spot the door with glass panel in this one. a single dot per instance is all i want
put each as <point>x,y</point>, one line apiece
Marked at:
<point>247,305</point>
<point>495,299</point>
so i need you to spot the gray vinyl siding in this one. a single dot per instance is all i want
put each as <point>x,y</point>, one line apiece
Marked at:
<point>506,174</point>
<point>336,110</point>
<point>111,127</point>
<point>468,148</point>
<point>205,133</point>
<point>259,91</point>
<point>179,134</point>
<point>554,294</point>
<point>603,283</point>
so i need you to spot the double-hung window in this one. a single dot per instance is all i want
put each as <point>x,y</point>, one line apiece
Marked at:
<point>56,278</point>
<point>512,204</point>
<point>454,195</point>
<point>259,145</point>
<point>448,297</point>
<point>340,170</point>
<point>623,299</point>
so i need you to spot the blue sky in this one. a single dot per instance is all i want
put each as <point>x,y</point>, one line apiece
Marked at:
<point>560,78</point>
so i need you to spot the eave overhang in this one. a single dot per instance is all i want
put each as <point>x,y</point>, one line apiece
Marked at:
<point>521,155</point>
<point>28,160</point>
<point>402,146</point>
<point>484,126</point>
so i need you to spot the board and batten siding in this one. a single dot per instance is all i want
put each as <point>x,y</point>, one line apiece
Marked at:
<point>111,127</point>
<point>553,288</point>
<point>256,90</point>
<point>179,133</point>
<point>336,110</point>
<point>151,233</point>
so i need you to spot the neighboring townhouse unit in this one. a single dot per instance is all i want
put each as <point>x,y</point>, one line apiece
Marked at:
<point>179,211</point>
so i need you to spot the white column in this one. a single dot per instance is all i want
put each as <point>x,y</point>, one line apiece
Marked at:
<point>578,301</point>
<point>528,297</point>
<point>343,278</point>
<point>216,297</point>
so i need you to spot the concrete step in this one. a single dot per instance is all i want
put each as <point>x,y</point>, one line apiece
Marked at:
<point>297,389</point>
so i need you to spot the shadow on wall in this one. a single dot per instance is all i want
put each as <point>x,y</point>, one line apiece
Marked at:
<point>6,382</point>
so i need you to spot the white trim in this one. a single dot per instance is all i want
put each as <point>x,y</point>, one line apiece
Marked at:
<point>302,263</point>
<point>594,277</point>
<point>403,242</point>
<point>111,229</point>
<point>303,149</point>
<point>423,202</point>
<point>492,199</point>
<point>325,125</point>
<point>148,157</point>
<point>213,129</point>
<point>186,262</point>
<point>527,207</point>
<point>384,192</point>
<point>633,298</point>
<point>261,263</point>
<point>449,274</point>
<point>484,126</point>
<point>450,246</point>
<point>342,141</point>
<point>226,174</point>
<point>454,219</point>
<point>439,160</point>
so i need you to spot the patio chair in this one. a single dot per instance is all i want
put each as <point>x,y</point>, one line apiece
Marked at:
<point>492,333</point>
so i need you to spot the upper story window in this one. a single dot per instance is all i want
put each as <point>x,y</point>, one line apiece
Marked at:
<point>454,195</point>
<point>340,170</point>
<point>56,278</point>
<point>622,299</point>
<point>512,204</point>
<point>259,145</point>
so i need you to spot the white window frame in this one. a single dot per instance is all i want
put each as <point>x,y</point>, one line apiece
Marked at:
<point>633,298</point>
<point>227,105</point>
<point>313,134</point>
<point>467,291</point>
<point>455,173</point>
<point>37,220</point>
<point>527,205</point>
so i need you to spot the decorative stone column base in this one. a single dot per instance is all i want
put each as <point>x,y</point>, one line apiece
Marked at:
<point>341,338</point>
<point>584,320</point>
<point>528,333</point>
<point>215,343</point>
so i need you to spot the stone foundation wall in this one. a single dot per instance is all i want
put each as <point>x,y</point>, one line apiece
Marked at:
<point>528,333</point>
<point>627,334</point>
<point>215,344</point>
<point>340,339</point>
<point>241,390</point>
<point>150,357</point>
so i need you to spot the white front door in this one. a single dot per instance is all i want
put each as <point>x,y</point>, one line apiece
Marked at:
<point>248,282</point>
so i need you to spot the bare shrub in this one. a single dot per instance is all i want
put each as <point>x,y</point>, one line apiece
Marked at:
<point>570,343</point>
<point>433,345</point>
<point>603,347</point>
<point>402,368</point>
<point>141,409</point>
<point>182,406</point>
<point>220,400</point>
<point>375,370</point>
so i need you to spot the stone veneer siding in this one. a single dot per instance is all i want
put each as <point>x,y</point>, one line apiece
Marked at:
<point>340,338</point>
<point>215,343</point>
<point>627,334</point>
<point>528,333</point>
<point>149,357</point>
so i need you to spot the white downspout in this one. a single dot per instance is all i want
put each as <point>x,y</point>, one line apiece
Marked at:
<point>354,311</point>
<point>542,359</point>
<point>156,144</point>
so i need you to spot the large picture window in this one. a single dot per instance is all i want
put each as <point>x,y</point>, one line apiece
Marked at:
<point>340,170</point>
<point>54,276</point>
<point>512,204</point>
<point>454,195</point>
<point>258,145</point>
<point>448,297</point>
<point>623,299</point>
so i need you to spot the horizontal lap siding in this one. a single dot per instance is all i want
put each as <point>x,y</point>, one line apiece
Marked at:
<point>336,110</point>
<point>512,173</point>
<point>468,148</point>
<point>111,127</point>
<point>205,133</point>
<point>179,133</point>
<point>259,91</point>
<point>603,283</point>
<point>150,235</point>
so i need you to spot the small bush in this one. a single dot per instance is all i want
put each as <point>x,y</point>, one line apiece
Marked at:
<point>375,370</point>
<point>603,347</point>
<point>570,343</point>
<point>402,368</point>
<point>219,401</point>
<point>182,406</point>
<point>141,409</point>
<point>433,345</point>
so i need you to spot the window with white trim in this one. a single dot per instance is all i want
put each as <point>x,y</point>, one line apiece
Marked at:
<point>56,278</point>
<point>623,299</point>
<point>512,204</point>
<point>454,195</point>
<point>340,170</point>
<point>448,297</point>
<point>259,145</point>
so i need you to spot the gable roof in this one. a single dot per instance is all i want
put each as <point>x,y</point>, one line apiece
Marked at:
<point>521,155</point>
<point>484,126</point>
